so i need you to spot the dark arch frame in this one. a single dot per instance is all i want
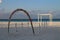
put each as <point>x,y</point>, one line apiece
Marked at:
<point>25,13</point>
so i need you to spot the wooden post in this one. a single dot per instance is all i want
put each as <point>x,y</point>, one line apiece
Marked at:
<point>16,26</point>
<point>28,24</point>
<point>22,25</point>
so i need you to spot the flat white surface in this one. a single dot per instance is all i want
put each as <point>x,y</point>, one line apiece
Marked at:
<point>25,33</point>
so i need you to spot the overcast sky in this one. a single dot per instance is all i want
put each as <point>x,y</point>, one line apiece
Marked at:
<point>10,5</point>
<point>0,1</point>
<point>30,4</point>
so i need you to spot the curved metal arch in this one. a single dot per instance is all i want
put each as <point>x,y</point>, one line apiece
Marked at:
<point>25,13</point>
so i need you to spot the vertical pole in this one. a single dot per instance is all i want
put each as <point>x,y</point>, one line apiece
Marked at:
<point>28,24</point>
<point>38,24</point>
<point>16,26</point>
<point>50,19</point>
<point>41,21</point>
<point>22,24</point>
<point>38,20</point>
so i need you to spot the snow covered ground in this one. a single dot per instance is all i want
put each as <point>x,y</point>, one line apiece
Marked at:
<point>25,33</point>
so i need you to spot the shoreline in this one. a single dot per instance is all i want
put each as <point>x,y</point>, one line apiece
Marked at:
<point>35,24</point>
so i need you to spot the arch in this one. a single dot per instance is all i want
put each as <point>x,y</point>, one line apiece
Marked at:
<point>25,13</point>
